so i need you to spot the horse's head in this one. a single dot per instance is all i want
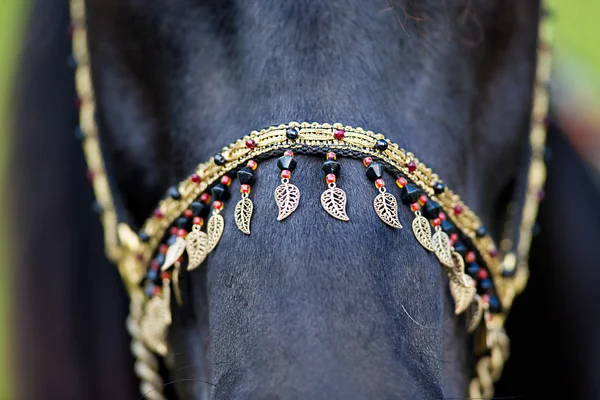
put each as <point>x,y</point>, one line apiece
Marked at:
<point>312,307</point>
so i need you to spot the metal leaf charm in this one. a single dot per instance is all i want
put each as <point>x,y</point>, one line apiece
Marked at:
<point>386,207</point>
<point>156,320</point>
<point>196,244</point>
<point>333,201</point>
<point>215,231</point>
<point>442,249</point>
<point>474,314</point>
<point>173,253</point>
<point>463,291</point>
<point>287,197</point>
<point>243,214</point>
<point>422,231</point>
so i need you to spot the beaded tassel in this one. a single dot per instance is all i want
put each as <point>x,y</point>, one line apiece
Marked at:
<point>333,199</point>
<point>287,196</point>
<point>245,207</point>
<point>385,203</point>
<point>216,223</point>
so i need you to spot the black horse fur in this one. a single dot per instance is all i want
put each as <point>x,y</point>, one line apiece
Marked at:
<point>307,308</point>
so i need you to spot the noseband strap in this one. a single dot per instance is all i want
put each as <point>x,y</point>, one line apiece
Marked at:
<point>483,278</point>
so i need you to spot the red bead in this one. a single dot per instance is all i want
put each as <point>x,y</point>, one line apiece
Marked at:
<point>423,199</point>
<point>482,274</point>
<point>251,144</point>
<point>181,233</point>
<point>367,161</point>
<point>286,174</point>
<point>226,180</point>
<point>173,230</point>
<point>163,248</point>
<point>158,213</point>
<point>436,222</point>
<point>330,178</point>
<point>288,153</point>
<point>188,213</point>
<point>244,188</point>
<point>339,134</point>
<point>198,221</point>
<point>401,182</point>
<point>470,257</point>
<point>331,155</point>
<point>458,209</point>
<point>486,298</point>
<point>218,205</point>
<point>415,207</point>
<point>156,290</point>
<point>165,275</point>
<point>442,216</point>
<point>453,238</point>
<point>379,183</point>
<point>154,265</point>
<point>205,198</point>
<point>412,167</point>
<point>195,178</point>
<point>252,165</point>
<point>494,253</point>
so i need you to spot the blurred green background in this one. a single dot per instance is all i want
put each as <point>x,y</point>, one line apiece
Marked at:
<point>578,61</point>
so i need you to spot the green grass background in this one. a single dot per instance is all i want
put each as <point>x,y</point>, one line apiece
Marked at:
<point>577,31</point>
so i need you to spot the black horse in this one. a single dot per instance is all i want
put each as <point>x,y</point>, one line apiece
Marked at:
<point>308,308</point>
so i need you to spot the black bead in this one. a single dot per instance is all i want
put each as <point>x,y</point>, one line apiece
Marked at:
<point>292,133</point>
<point>410,194</point>
<point>174,193</point>
<point>460,248</point>
<point>182,222</point>
<point>381,144</point>
<point>439,188</point>
<point>221,192</point>
<point>331,167</point>
<point>448,227</point>
<point>432,209</point>
<point>286,162</point>
<point>199,209</point>
<point>144,237</point>
<point>246,176</point>
<point>219,159</point>
<point>97,207</point>
<point>374,172</point>
<point>495,306</point>
<point>481,231</point>
<point>79,133</point>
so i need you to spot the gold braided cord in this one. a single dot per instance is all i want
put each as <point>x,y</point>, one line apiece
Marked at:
<point>146,362</point>
<point>489,368</point>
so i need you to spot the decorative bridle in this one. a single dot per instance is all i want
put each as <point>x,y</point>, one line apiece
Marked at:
<point>484,279</point>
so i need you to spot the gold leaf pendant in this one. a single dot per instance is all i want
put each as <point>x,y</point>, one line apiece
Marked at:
<point>173,253</point>
<point>196,244</point>
<point>462,286</point>
<point>386,207</point>
<point>287,197</point>
<point>422,231</point>
<point>442,248</point>
<point>156,320</point>
<point>474,314</point>
<point>463,291</point>
<point>215,227</point>
<point>243,214</point>
<point>333,201</point>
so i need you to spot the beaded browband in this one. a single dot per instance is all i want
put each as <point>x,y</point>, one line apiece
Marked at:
<point>483,278</point>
